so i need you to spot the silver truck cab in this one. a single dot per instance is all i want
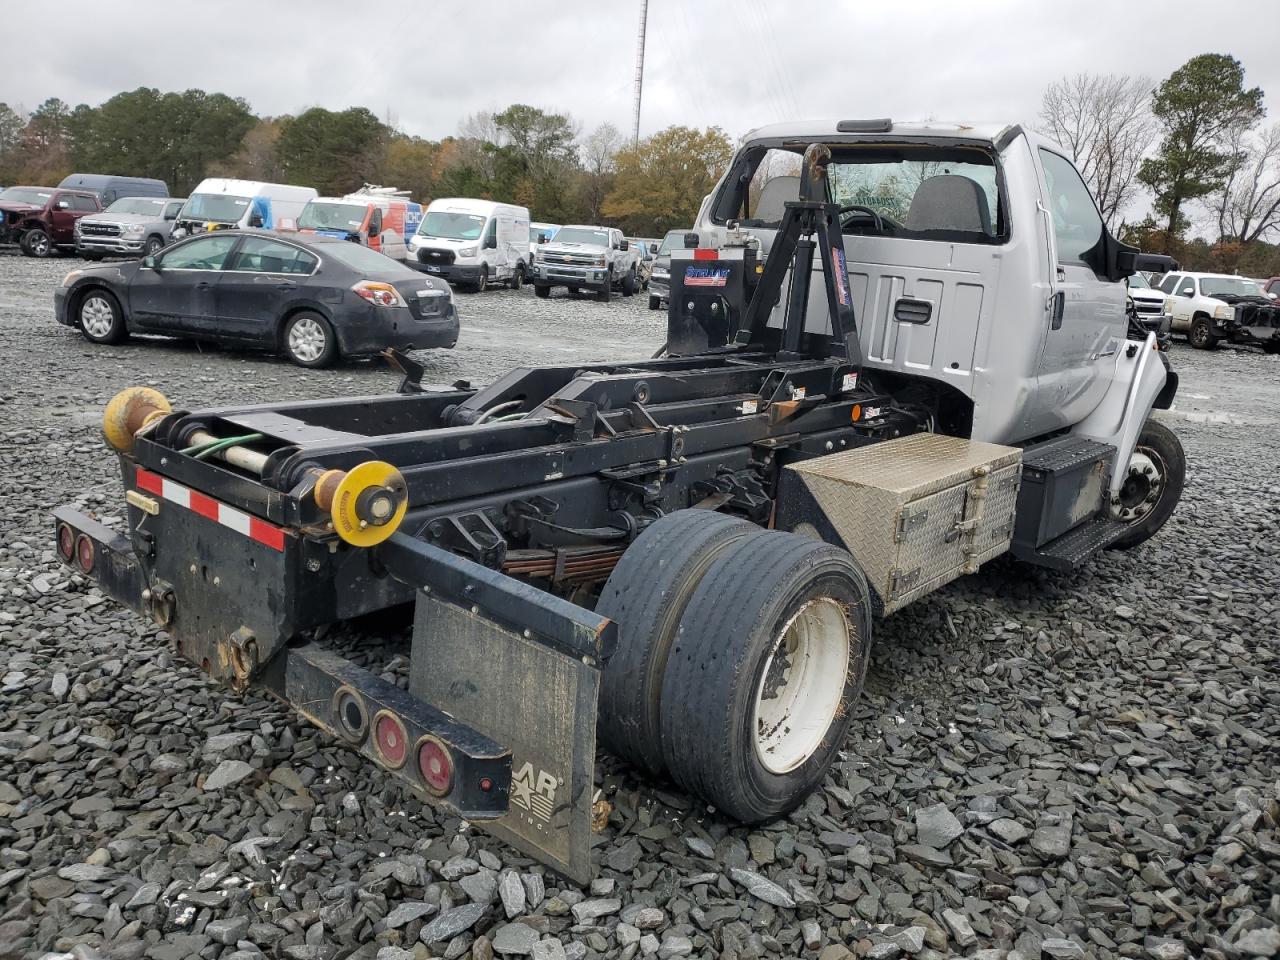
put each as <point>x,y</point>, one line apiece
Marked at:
<point>977,258</point>
<point>132,226</point>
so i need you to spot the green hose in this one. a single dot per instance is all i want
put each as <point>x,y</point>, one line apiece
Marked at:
<point>202,450</point>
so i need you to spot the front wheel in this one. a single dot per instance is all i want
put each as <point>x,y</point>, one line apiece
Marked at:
<point>629,284</point>
<point>154,246</point>
<point>517,277</point>
<point>1152,485</point>
<point>309,340</point>
<point>760,682</point>
<point>483,283</point>
<point>655,303</point>
<point>1201,335</point>
<point>100,318</point>
<point>541,290</point>
<point>37,243</point>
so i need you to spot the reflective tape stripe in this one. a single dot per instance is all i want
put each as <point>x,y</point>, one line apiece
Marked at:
<point>259,530</point>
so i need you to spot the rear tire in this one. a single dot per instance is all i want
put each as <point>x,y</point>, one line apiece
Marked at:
<point>646,595</point>
<point>655,303</point>
<point>629,284</point>
<point>1201,334</point>
<point>769,657</point>
<point>517,277</point>
<point>482,284</point>
<point>541,290</point>
<point>37,243</point>
<point>100,318</point>
<point>309,340</point>
<point>1163,452</point>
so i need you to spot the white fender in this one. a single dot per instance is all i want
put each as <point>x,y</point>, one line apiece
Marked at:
<point>1119,418</point>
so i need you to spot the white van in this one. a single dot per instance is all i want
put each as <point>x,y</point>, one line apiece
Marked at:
<point>218,203</point>
<point>473,242</point>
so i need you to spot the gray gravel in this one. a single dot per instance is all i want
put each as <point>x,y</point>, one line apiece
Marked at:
<point>1041,766</point>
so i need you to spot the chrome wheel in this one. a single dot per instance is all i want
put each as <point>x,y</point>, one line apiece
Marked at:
<point>96,316</point>
<point>802,686</point>
<point>39,244</point>
<point>307,339</point>
<point>1140,491</point>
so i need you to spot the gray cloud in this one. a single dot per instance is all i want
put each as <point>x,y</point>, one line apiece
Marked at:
<point>734,64</point>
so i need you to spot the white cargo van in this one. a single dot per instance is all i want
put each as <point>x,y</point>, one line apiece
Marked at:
<point>473,242</point>
<point>218,203</point>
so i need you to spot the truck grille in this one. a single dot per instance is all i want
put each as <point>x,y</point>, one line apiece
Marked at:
<point>437,257</point>
<point>573,259</point>
<point>99,229</point>
<point>1148,306</point>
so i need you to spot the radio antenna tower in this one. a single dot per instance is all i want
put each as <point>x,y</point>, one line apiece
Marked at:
<point>635,119</point>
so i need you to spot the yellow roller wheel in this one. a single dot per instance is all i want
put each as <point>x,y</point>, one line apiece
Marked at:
<point>128,412</point>
<point>369,504</point>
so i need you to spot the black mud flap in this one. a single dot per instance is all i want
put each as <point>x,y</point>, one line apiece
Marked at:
<point>538,701</point>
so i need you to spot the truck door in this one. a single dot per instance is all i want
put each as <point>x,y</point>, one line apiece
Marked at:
<point>1084,315</point>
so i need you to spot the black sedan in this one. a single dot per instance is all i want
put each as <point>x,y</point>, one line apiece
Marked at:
<point>315,299</point>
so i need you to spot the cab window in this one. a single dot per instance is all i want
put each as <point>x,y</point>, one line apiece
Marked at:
<point>491,234</point>
<point>202,253</point>
<point>1170,282</point>
<point>375,222</point>
<point>1187,288</point>
<point>261,255</point>
<point>1077,225</point>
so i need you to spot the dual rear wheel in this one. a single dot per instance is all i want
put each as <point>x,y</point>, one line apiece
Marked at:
<point>740,653</point>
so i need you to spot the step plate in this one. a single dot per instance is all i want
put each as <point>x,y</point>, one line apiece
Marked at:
<point>1072,549</point>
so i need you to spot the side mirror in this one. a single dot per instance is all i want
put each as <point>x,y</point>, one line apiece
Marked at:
<point>491,243</point>
<point>542,238</point>
<point>150,263</point>
<point>624,246</point>
<point>255,220</point>
<point>63,205</point>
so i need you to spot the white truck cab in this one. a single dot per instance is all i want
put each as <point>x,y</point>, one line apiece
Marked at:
<point>976,258</point>
<point>473,242</point>
<point>1200,305</point>
<point>220,203</point>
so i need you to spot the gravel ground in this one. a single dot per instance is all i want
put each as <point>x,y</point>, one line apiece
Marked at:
<point>1041,766</point>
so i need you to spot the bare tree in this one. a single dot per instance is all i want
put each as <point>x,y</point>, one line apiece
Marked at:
<point>598,154</point>
<point>1107,124</point>
<point>1248,204</point>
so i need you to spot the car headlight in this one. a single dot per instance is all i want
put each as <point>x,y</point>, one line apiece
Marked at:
<point>1223,312</point>
<point>467,252</point>
<point>67,280</point>
<point>601,261</point>
<point>132,233</point>
<point>1168,307</point>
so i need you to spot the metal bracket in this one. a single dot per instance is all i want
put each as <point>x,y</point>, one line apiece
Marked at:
<point>908,522</point>
<point>900,581</point>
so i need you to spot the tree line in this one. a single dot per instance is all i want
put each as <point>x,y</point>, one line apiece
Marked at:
<point>522,155</point>
<point>1194,145</point>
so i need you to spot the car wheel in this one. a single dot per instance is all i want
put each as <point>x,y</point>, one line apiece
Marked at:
<point>483,283</point>
<point>542,290</point>
<point>309,340</point>
<point>91,257</point>
<point>605,294</point>
<point>1152,486</point>
<point>100,318</point>
<point>1201,335</point>
<point>154,246</point>
<point>517,277</point>
<point>36,243</point>
<point>629,285</point>
<point>655,303</point>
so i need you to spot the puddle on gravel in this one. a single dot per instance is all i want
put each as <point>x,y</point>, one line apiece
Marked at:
<point>1196,416</point>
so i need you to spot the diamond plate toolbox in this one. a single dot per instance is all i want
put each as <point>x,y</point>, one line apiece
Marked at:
<point>916,512</point>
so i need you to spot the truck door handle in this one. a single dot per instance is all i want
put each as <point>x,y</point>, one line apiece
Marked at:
<point>1058,304</point>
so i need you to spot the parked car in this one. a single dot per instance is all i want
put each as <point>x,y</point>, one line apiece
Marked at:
<point>660,275</point>
<point>314,299</point>
<point>646,252</point>
<point>111,188</point>
<point>220,204</point>
<point>587,258</point>
<point>41,220</point>
<point>1271,288</point>
<point>381,218</point>
<point>1210,307</point>
<point>129,227</point>
<point>473,242</point>
<point>539,233</point>
<point>1147,301</point>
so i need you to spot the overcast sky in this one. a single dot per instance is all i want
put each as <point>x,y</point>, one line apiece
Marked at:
<point>733,63</point>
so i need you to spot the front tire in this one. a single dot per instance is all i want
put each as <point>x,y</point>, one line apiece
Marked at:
<point>37,243</point>
<point>309,340</point>
<point>154,246</point>
<point>541,290</point>
<point>1153,485</point>
<point>768,660</point>
<point>655,303</point>
<point>1201,334</point>
<point>100,318</point>
<point>483,283</point>
<point>629,284</point>
<point>517,277</point>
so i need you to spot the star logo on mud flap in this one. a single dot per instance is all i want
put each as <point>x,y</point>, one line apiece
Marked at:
<point>534,791</point>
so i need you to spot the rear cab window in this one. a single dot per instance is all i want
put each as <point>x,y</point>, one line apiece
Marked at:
<point>908,191</point>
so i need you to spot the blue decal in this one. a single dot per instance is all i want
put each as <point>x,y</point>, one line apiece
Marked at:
<point>706,276</point>
<point>262,207</point>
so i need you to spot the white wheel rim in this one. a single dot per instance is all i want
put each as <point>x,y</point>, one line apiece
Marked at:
<point>306,339</point>
<point>40,244</point>
<point>1146,471</point>
<point>801,689</point>
<point>96,317</point>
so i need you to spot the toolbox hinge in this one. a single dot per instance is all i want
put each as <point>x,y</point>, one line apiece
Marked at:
<point>901,581</point>
<point>907,522</point>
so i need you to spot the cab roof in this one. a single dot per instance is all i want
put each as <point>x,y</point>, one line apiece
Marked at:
<point>984,132</point>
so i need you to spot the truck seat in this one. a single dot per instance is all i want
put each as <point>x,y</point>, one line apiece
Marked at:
<point>773,196</point>
<point>949,202</point>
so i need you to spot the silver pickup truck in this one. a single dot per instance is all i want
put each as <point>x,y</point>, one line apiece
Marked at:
<point>587,258</point>
<point>132,226</point>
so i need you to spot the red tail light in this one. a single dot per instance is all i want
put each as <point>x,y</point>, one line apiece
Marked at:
<point>84,553</point>
<point>436,765</point>
<point>390,739</point>
<point>66,543</point>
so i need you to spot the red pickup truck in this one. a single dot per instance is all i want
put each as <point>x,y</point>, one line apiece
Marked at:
<point>42,220</point>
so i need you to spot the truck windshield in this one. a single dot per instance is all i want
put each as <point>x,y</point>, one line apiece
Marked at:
<point>1229,286</point>
<point>598,238</point>
<point>143,205</point>
<point>30,195</point>
<point>672,241</point>
<point>318,215</point>
<point>215,207</point>
<point>922,192</point>
<point>1138,282</point>
<point>449,225</point>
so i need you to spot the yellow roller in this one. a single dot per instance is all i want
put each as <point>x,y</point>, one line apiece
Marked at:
<point>128,412</point>
<point>369,503</point>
